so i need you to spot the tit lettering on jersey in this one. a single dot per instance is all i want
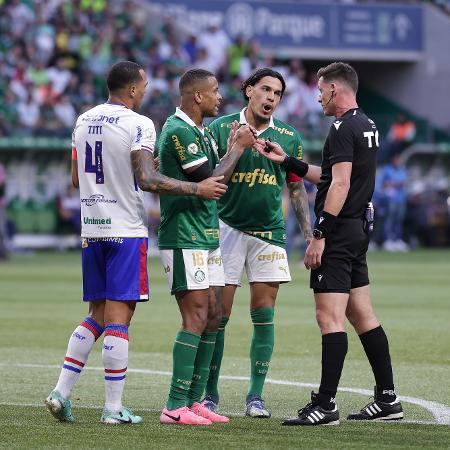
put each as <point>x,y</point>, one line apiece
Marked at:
<point>352,138</point>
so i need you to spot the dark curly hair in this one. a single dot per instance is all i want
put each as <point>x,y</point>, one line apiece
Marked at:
<point>123,74</point>
<point>258,75</point>
<point>189,78</point>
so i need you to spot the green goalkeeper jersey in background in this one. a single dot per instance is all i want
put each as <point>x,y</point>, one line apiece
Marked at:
<point>186,221</point>
<point>252,203</point>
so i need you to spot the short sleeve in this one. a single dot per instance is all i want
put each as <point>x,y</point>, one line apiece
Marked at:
<point>341,142</point>
<point>297,152</point>
<point>143,134</point>
<point>296,148</point>
<point>187,147</point>
<point>77,124</point>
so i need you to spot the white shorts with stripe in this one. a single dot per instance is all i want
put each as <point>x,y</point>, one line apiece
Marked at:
<point>189,269</point>
<point>262,261</point>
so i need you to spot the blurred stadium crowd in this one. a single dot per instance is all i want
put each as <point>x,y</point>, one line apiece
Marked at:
<point>53,58</point>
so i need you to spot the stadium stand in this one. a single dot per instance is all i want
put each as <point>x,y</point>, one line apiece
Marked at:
<point>53,56</point>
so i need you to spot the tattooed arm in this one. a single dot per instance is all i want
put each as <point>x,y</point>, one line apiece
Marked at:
<point>299,202</point>
<point>149,179</point>
<point>238,141</point>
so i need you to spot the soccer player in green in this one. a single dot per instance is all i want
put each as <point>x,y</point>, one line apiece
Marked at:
<point>252,229</point>
<point>188,240</point>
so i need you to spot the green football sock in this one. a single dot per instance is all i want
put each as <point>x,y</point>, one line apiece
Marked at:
<point>201,366</point>
<point>216,361</point>
<point>261,348</point>
<point>184,353</point>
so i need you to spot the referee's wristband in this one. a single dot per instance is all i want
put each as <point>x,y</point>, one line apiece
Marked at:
<point>324,224</point>
<point>295,165</point>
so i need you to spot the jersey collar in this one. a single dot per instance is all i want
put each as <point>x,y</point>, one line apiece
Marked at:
<point>243,121</point>
<point>183,116</point>
<point>351,111</point>
<point>116,104</point>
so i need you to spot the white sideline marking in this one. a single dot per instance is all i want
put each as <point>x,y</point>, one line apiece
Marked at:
<point>440,411</point>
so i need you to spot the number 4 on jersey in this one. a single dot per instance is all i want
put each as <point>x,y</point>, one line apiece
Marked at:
<point>95,166</point>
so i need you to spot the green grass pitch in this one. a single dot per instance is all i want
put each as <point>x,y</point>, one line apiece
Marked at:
<point>40,306</point>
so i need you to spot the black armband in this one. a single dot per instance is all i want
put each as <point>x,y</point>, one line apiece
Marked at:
<point>201,173</point>
<point>323,225</point>
<point>295,165</point>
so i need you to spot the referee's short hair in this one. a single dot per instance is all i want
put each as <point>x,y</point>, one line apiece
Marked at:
<point>122,74</point>
<point>191,77</point>
<point>342,72</point>
<point>258,75</point>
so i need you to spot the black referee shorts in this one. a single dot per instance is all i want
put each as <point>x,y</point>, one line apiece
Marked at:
<point>344,264</point>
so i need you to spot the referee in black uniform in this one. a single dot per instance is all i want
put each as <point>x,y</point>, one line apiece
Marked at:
<point>337,254</point>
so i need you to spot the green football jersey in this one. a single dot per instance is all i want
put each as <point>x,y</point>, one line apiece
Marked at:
<point>186,221</point>
<point>252,203</point>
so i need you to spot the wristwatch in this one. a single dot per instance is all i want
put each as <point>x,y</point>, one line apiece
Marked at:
<point>317,234</point>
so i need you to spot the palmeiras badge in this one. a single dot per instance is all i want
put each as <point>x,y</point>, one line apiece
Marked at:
<point>199,276</point>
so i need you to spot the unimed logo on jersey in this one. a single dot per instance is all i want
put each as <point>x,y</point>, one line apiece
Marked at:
<point>97,221</point>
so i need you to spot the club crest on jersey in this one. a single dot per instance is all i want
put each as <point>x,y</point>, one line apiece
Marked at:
<point>199,276</point>
<point>192,148</point>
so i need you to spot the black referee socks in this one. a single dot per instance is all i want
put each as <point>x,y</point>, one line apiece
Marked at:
<point>334,349</point>
<point>376,346</point>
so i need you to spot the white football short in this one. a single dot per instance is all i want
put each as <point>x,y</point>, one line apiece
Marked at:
<point>189,269</point>
<point>263,262</point>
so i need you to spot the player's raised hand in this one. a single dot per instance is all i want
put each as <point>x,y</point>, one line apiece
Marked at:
<point>271,150</point>
<point>245,137</point>
<point>232,136</point>
<point>211,188</point>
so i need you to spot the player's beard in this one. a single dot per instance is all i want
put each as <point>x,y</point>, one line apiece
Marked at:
<point>261,120</point>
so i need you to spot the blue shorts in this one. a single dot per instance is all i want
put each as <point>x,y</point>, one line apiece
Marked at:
<point>115,269</point>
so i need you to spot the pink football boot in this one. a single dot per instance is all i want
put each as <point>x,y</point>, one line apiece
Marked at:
<point>182,416</point>
<point>201,411</point>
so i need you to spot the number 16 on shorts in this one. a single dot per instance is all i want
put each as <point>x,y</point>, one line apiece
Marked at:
<point>189,269</point>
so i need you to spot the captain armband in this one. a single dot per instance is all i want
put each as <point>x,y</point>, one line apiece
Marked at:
<point>202,172</point>
<point>291,164</point>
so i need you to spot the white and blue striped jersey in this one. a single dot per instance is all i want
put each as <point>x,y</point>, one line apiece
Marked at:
<point>111,202</point>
